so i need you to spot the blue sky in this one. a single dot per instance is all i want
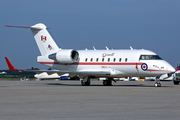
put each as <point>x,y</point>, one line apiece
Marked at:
<point>80,24</point>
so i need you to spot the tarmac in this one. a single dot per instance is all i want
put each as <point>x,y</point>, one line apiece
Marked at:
<point>68,100</point>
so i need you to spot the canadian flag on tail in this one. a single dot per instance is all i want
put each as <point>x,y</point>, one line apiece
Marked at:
<point>43,38</point>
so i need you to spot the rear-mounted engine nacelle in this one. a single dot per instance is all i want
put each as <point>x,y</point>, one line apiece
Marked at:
<point>65,56</point>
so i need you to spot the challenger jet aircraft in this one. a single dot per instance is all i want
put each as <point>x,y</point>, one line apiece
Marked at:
<point>88,64</point>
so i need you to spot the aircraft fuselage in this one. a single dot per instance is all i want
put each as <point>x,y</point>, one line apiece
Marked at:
<point>121,63</point>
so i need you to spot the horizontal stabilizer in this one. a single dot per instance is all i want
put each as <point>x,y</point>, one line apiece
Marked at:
<point>36,28</point>
<point>43,38</point>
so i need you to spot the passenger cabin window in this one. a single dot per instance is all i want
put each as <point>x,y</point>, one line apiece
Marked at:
<point>86,60</point>
<point>96,59</point>
<point>91,59</point>
<point>150,57</point>
<point>108,59</point>
<point>114,60</point>
<point>102,59</point>
<point>126,60</point>
<point>119,59</point>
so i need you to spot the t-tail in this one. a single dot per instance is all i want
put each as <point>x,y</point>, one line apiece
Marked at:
<point>44,40</point>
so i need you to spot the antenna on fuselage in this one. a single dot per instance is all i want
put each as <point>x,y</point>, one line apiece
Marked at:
<point>131,48</point>
<point>94,48</point>
<point>107,48</point>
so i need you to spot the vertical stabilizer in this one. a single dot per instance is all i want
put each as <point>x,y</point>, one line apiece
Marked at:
<point>44,40</point>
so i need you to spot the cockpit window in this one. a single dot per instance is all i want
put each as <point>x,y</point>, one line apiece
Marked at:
<point>150,57</point>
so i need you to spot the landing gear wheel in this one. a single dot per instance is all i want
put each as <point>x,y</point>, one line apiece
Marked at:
<point>107,82</point>
<point>85,83</point>
<point>82,83</point>
<point>157,84</point>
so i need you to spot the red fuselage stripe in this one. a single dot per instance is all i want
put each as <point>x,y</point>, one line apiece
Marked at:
<point>103,63</point>
<point>93,63</point>
<point>158,70</point>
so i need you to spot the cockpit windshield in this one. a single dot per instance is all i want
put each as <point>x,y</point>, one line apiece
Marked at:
<point>150,57</point>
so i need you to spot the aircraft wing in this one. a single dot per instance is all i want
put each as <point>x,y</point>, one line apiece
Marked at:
<point>88,72</point>
<point>99,73</point>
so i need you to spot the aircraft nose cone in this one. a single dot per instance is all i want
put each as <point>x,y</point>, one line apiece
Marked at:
<point>171,69</point>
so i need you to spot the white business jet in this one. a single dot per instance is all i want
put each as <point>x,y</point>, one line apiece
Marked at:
<point>44,75</point>
<point>96,63</point>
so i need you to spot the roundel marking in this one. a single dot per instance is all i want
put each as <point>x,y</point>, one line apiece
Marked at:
<point>144,66</point>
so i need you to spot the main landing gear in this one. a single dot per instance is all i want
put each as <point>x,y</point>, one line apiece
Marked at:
<point>85,81</point>
<point>107,82</point>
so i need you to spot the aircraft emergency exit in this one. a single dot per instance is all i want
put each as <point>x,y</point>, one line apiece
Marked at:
<point>96,63</point>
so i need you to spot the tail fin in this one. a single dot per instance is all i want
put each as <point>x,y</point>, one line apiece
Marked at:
<point>44,40</point>
<point>10,65</point>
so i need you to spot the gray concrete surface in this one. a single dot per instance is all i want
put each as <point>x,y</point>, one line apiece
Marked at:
<point>67,100</point>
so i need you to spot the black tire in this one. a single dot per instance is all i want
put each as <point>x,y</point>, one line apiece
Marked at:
<point>85,83</point>
<point>107,82</point>
<point>82,83</point>
<point>157,84</point>
<point>176,82</point>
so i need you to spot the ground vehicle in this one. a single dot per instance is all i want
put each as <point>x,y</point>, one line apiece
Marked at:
<point>176,75</point>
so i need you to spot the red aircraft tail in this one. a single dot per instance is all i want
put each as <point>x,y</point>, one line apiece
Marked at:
<point>10,65</point>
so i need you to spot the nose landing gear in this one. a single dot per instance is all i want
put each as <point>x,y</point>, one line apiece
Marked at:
<point>157,83</point>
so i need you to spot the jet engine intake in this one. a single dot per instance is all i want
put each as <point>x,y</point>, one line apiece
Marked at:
<point>65,56</point>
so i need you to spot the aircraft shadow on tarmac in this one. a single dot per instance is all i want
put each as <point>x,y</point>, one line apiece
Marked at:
<point>61,84</point>
<point>130,85</point>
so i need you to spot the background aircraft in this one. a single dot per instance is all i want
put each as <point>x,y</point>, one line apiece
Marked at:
<point>176,75</point>
<point>3,73</point>
<point>45,75</point>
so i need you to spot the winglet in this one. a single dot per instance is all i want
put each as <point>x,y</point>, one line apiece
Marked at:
<point>10,65</point>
